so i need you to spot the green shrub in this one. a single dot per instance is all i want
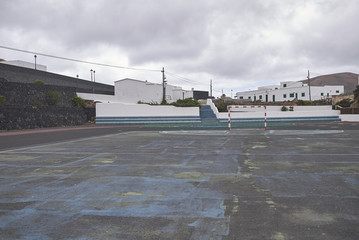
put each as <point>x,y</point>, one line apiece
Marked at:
<point>221,106</point>
<point>52,97</point>
<point>39,82</point>
<point>3,99</point>
<point>187,102</point>
<point>304,103</point>
<point>345,102</point>
<point>284,109</point>
<point>78,102</point>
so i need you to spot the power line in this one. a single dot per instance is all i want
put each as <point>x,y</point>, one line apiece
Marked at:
<point>183,78</point>
<point>80,61</point>
<point>187,80</point>
<point>216,90</point>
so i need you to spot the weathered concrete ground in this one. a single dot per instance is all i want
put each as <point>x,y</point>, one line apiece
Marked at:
<point>246,184</point>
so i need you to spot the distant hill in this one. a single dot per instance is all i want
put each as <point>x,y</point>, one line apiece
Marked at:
<point>348,80</point>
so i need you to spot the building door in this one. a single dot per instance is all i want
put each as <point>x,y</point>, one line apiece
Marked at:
<point>296,95</point>
<point>255,98</point>
<point>273,98</point>
<point>266,98</point>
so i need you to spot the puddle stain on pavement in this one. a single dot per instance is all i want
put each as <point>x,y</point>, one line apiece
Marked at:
<point>197,185</point>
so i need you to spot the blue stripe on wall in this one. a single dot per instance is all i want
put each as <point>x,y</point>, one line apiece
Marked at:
<point>147,120</point>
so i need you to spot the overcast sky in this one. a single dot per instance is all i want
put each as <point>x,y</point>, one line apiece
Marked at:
<point>239,44</point>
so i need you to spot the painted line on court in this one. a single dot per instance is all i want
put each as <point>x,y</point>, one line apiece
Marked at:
<point>11,133</point>
<point>58,143</point>
<point>251,132</point>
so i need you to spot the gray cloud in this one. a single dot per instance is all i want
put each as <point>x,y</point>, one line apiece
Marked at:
<point>237,41</point>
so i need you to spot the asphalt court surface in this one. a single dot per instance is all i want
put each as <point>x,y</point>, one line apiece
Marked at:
<point>243,184</point>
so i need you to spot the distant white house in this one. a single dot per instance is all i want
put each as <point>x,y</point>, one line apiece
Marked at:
<point>24,64</point>
<point>288,91</point>
<point>132,91</point>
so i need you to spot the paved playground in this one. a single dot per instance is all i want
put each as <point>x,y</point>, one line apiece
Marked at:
<point>210,184</point>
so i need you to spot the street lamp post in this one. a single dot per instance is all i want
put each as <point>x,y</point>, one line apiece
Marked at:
<point>91,74</point>
<point>94,79</point>
<point>35,61</point>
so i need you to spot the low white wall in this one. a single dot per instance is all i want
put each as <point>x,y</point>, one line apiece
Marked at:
<point>143,110</point>
<point>98,97</point>
<point>349,117</point>
<point>275,112</point>
<point>278,109</point>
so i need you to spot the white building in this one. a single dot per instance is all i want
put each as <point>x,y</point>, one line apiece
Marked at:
<point>288,91</point>
<point>132,91</point>
<point>24,64</point>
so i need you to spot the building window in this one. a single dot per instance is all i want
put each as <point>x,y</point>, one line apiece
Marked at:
<point>260,97</point>
<point>249,97</point>
<point>284,85</point>
<point>303,94</point>
<point>284,95</point>
<point>337,91</point>
<point>322,94</point>
<point>291,95</point>
<point>240,97</point>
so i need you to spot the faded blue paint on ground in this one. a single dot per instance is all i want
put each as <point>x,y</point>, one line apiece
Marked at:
<point>247,184</point>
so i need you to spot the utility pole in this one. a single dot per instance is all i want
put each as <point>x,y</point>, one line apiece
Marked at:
<point>310,96</point>
<point>163,86</point>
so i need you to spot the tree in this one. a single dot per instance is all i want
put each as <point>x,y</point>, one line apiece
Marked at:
<point>78,102</point>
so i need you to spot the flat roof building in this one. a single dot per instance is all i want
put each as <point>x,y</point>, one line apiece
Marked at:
<point>290,90</point>
<point>134,91</point>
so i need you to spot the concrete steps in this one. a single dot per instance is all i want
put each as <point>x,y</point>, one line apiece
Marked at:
<point>208,118</point>
<point>206,113</point>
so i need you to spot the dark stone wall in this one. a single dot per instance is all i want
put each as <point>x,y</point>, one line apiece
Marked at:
<point>90,114</point>
<point>27,106</point>
<point>22,94</point>
<point>28,75</point>
<point>27,117</point>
